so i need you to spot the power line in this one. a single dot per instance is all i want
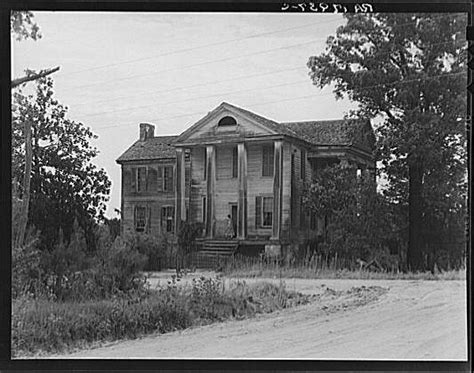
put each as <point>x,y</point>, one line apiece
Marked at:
<point>197,47</point>
<point>195,98</point>
<point>293,98</point>
<point>192,86</point>
<point>225,42</point>
<point>197,64</point>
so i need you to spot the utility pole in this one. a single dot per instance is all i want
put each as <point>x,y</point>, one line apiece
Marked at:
<point>28,159</point>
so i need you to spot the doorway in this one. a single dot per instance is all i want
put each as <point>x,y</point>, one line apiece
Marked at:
<point>233,215</point>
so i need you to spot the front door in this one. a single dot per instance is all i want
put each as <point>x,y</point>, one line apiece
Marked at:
<point>233,215</point>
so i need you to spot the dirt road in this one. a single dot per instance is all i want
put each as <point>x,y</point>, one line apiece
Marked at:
<point>411,320</point>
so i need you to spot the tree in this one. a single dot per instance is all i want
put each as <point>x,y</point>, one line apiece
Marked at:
<point>23,27</point>
<point>360,222</point>
<point>409,71</point>
<point>65,184</point>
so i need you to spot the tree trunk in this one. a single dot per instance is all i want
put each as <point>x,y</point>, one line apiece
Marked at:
<point>415,260</point>
<point>26,185</point>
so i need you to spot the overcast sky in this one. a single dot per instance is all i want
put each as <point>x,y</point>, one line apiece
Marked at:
<point>170,69</point>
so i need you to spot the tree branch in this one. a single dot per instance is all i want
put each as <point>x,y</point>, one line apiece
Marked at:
<point>41,74</point>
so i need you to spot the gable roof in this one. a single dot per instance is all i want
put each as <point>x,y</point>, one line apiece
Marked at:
<point>340,132</point>
<point>154,148</point>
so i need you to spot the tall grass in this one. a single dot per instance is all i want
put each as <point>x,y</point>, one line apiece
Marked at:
<point>327,268</point>
<point>42,326</point>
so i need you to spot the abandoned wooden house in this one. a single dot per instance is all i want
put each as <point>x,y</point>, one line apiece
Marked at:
<point>234,167</point>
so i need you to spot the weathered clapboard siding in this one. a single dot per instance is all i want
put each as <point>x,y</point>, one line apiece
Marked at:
<point>257,185</point>
<point>226,187</point>
<point>197,184</point>
<point>286,198</point>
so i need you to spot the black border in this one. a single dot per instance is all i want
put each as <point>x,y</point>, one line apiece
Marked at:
<point>189,365</point>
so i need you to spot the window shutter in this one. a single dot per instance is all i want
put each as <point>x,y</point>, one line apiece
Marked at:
<point>172,219</point>
<point>171,179</point>
<point>163,219</point>
<point>146,178</point>
<point>135,217</point>
<point>160,179</point>
<point>148,220</point>
<point>258,212</point>
<point>134,179</point>
<point>234,162</point>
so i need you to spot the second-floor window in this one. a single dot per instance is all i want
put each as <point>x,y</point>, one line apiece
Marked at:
<point>234,162</point>
<point>267,160</point>
<point>139,179</point>
<point>165,179</point>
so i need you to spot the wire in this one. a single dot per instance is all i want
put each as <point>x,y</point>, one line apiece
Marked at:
<point>218,81</point>
<point>223,42</point>
<point>294,98</point>
<point>191,86</point>
<point>195,48</point>
<point>195,98</point>
<point>194,65</point>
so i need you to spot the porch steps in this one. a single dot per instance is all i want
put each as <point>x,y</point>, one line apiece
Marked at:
<point>214,253</point>
<point>219,248</point>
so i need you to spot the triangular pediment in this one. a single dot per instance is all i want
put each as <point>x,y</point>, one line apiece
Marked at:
<point>247,124</point>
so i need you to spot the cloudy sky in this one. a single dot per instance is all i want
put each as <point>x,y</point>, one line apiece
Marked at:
<point>170,69</point>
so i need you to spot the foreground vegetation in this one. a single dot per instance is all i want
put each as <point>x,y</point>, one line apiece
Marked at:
<point>42,326</point>
<point>313,269</point>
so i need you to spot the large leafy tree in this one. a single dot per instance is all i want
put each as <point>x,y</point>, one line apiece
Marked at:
<point>409,71</point>
<point>360,223</point>
<point>65,184</point>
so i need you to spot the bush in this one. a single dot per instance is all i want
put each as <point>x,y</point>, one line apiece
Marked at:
<point>41,325</point>
<point>154,248</point>
<point>26,270</point>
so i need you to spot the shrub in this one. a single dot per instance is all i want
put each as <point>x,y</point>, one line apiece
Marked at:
<point>26,270</point>
<point>41,325</point>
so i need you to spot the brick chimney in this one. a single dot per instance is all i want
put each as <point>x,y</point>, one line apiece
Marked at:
<point>147,131</point>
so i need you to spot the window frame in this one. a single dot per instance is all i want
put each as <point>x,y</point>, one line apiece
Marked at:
<point>260,213</point>
<point>167,219</point>
<point>137,219</point>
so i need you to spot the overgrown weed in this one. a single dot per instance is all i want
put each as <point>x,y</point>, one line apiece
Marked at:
<point>42,326</point>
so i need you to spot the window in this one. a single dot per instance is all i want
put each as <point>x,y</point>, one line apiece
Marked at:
<point>267,160</point>
<point>165,179</point>
<point>303,164</point>
<point>263,212</point>
<point>167,218</point>
<point>234,162</point>
<point>168,179</point>
<point>227,121</point>
<point>140,218</point>
<point>139,179</point>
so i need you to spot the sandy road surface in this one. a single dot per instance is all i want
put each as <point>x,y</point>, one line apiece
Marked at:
<point>412,320</point>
